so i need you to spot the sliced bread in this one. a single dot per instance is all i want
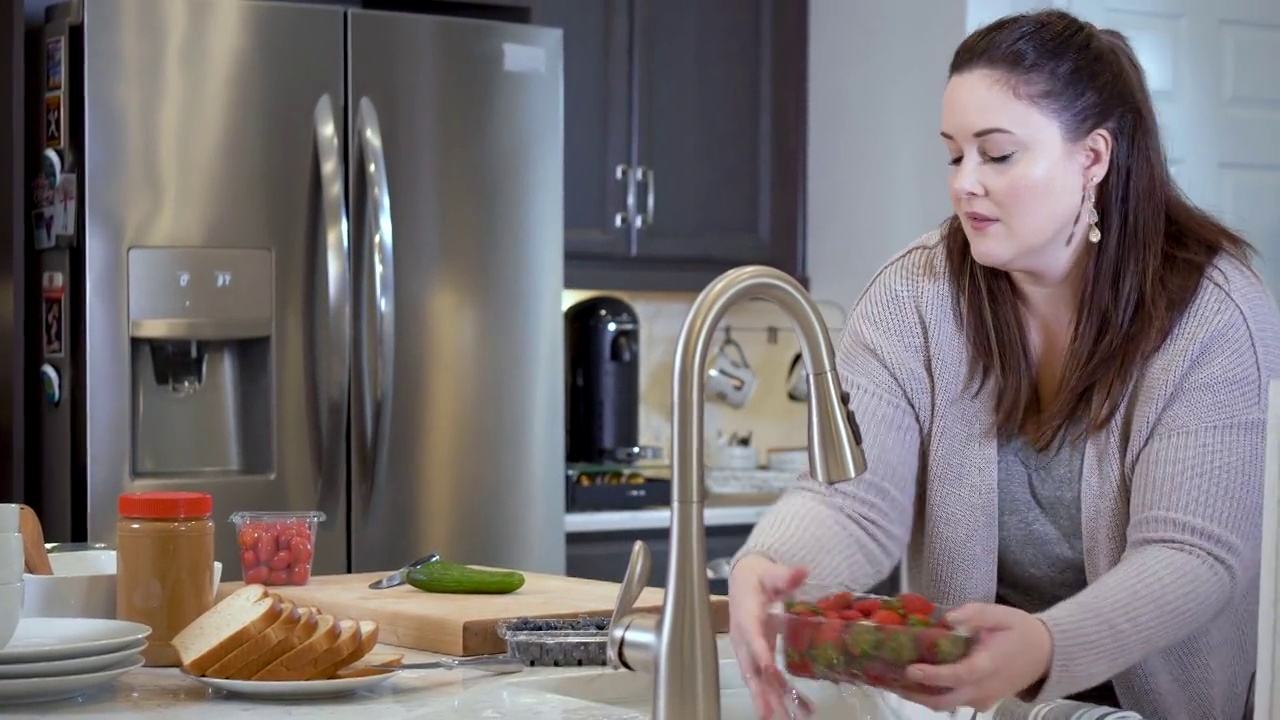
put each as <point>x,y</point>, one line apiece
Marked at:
<point>300,658</point>
<point>368,639</point>
<point>365,666</point>
<point>305,629</point>
<point>348,641</point>
<point>283,628</point>
<point>234,621</point>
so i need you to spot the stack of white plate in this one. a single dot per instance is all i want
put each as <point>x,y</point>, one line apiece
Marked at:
<point>58,658</point>
<point>11,565</point>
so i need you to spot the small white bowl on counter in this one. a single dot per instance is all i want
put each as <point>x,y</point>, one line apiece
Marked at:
<point>83,584</point>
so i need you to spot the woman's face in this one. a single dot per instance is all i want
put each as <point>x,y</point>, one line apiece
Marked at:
<point>1017,184</point>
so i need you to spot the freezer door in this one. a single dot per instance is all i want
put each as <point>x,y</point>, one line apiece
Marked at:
<point>457,233</point>
<point>205,128</point>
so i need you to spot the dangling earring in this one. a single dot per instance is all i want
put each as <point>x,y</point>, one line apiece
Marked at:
<point>1094,233</point>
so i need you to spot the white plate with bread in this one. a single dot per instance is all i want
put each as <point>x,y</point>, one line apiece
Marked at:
<point>257,644</point>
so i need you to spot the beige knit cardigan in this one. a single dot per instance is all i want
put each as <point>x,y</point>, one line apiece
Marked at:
<point>1171,491</point>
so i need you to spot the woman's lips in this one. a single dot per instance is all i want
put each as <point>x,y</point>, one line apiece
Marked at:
<point>978,221</point>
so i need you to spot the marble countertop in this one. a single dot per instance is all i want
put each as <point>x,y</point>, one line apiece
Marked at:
<point>474,695</point>
<point>437,694</point>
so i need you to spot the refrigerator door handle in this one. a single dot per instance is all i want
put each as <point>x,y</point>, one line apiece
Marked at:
<point>334,322</point>
<point>377,363</point>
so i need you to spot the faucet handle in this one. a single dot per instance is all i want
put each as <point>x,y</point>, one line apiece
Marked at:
<point>633,584</point>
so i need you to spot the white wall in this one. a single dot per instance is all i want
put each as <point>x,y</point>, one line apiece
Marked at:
<point>877,169</point>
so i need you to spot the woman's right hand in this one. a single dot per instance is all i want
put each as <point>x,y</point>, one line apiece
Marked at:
<point>755,583</point>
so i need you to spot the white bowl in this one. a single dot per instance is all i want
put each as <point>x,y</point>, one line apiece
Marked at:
<point>10,611</point>
<point>789,459</point>
<point>736,457</point>
<point>9,518</point>
<point>83,584</point>
<point>11,562</point>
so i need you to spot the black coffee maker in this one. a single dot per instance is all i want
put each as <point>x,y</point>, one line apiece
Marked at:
<point>602,383</point>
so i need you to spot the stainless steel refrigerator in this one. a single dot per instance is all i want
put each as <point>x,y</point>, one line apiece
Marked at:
<point>304,258</point>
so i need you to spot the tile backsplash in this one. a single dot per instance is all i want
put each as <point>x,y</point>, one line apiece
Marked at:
<point>773,419</point>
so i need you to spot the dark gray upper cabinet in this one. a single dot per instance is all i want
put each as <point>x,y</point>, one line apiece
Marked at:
<point>684,138</point>
<point>596,124</point>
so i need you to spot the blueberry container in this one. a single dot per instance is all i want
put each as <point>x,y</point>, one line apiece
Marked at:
<point>558,642</point>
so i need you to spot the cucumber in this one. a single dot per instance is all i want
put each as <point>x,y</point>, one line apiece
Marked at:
<point>443,577</point>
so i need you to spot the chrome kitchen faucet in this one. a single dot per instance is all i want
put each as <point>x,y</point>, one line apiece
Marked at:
<point>678,647</point>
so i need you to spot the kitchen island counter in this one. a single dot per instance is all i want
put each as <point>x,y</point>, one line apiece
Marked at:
<point>461,695</point>
<point>438,694</point>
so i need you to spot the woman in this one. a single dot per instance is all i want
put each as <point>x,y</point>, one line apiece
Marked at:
<point>1063,397</point>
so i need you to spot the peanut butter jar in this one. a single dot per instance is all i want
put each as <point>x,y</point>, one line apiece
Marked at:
<point>164,565</point>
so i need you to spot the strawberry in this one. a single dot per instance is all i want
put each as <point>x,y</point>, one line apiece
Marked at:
<point>915,620</point>
<point>831,631</point>
<point>850,614</point>
<point>798,636</point>
<point>940,646</point>
<point>804,610</point>
<point>898,647</point>
<point>886,617</point>
<point>828,658</point>
<point>861,639</point>
<point>914,604</point>
<point>867,606</point>
<point>798,665</point>
<point>835,601</point>
<point>828,645</point>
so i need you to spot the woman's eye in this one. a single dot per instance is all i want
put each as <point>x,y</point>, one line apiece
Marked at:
<point>986,158</point>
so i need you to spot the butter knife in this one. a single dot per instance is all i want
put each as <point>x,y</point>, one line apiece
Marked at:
<point>497,664</point>
<point>398,577</point>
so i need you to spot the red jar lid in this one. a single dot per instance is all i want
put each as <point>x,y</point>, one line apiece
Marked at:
<point>166,505</point>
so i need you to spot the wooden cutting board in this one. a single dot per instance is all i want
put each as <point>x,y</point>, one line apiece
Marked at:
<point>463,625</point>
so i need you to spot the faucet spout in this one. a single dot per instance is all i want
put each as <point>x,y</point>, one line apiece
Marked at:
<point>680,647</point>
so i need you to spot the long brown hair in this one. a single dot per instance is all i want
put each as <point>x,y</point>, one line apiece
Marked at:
<point>1155,246</point>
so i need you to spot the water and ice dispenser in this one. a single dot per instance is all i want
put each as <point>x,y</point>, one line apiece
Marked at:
<point>200,327</point>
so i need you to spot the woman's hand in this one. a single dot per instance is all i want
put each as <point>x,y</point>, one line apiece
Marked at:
<point>1012,652</point>
<point>755,583</point>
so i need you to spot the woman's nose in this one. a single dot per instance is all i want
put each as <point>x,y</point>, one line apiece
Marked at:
<point>964,181</point>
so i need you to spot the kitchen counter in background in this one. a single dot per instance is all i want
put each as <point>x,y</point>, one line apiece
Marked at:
<point>720,511</point>
<point>599,542</point>
<point>656,518</point>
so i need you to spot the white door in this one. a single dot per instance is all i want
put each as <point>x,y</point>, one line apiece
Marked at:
<point>1214,69</point>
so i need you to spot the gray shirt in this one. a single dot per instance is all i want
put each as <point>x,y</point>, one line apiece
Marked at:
<point>1041,548</point>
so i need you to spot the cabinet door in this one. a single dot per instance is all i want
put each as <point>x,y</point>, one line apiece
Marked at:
<point>597,129</point>
<point>722,112</point>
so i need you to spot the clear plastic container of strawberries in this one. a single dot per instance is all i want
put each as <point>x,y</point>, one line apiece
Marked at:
<point>845,637</point>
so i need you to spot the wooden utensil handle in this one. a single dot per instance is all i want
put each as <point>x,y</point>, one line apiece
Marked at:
<point>35,556</point>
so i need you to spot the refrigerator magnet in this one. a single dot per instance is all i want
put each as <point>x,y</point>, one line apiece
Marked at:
<point>42,229</point>
<point>52,384</point>
<point>50,169</point>
<point>51,285</point>
<point>64,206</point>
<point>53,120</point>
<point>53,54</point>
<point>53,324</point>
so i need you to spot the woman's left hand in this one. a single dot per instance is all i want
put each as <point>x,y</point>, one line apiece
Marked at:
<point>1011,652</point>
